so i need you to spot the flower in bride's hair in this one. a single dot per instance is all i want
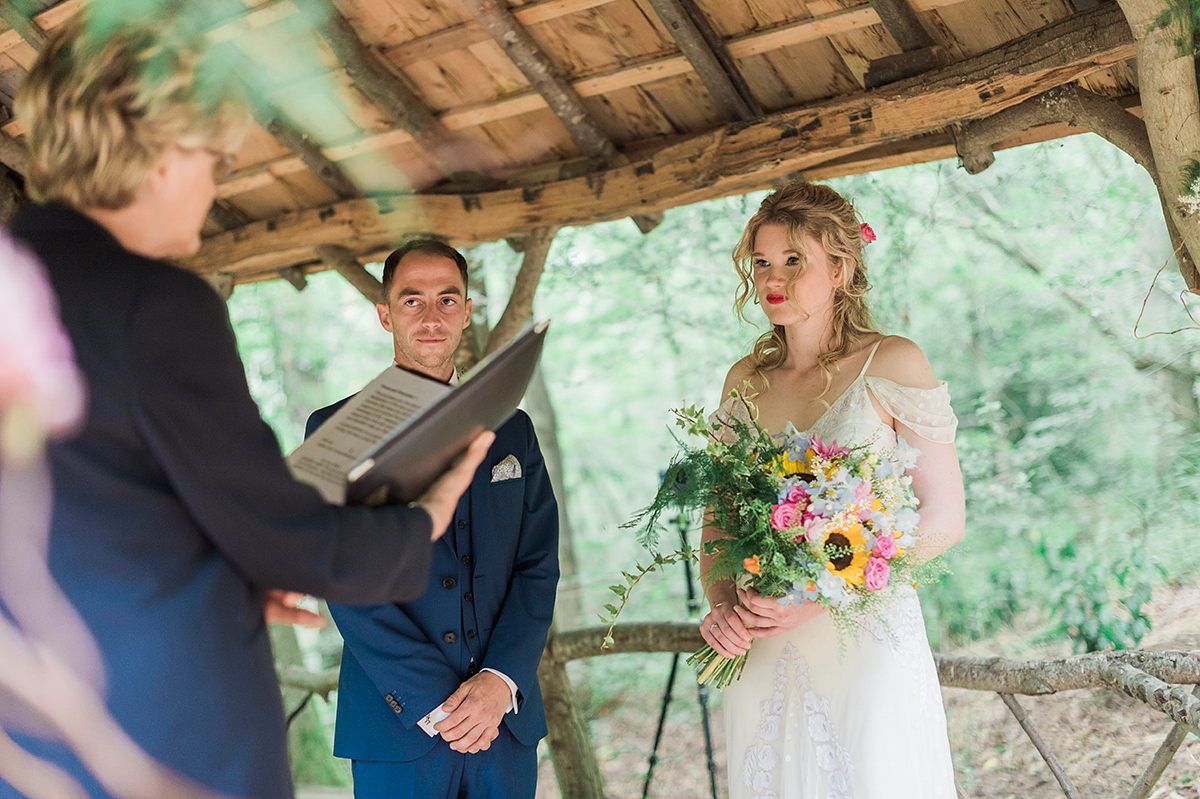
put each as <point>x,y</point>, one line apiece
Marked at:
<point>868,235</point>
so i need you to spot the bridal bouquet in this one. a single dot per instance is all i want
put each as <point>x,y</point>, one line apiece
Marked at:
<point>803,519</point>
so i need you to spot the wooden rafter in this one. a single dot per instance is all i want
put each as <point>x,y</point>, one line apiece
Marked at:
<point>385,89</point>
<point>311,156</point>
<point>718,74</point>
<point>22,25</point>
<point>714,164</point>
<point>524,52</point>
<point>348,266</point>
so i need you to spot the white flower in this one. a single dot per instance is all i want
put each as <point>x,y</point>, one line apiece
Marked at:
<point>826,758</point>
<point>768,758</point>
<point>832,588</point>
<point>769,729</point>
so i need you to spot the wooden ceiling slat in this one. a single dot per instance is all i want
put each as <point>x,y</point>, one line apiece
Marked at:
<point>713,164</point>
<point>462,36</point>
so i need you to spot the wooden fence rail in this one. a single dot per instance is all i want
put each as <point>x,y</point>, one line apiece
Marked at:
<point>1154,678</point>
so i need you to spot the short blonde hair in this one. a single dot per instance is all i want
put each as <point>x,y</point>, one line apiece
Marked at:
<point>808,209</point>
<point>103,102</point>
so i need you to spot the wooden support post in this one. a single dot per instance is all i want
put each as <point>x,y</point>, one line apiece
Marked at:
<point>341,259</point>
<point>498,20</point>
<point>1027,724</point>
<point>703,58</point>
<point>647,222</point>
<point>520,304</point>
<point>222,284</point>
<point>571,749</point>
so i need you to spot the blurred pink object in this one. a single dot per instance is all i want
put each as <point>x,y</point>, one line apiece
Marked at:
<point>36,360</point>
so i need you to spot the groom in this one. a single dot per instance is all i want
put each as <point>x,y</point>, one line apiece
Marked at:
<point>468,648</point>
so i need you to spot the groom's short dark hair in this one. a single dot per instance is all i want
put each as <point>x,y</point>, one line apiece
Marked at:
<point>428,245</point>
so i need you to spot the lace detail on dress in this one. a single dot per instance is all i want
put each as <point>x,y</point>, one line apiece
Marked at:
<point>761,763</point>
<point>926,411</point>
<point>902,629</point>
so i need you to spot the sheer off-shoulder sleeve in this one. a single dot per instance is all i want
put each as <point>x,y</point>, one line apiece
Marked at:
<point>731,408</point>
<point>926,411</point>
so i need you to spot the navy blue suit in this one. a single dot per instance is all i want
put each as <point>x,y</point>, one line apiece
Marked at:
<point>174,511</point>
<point>489,604</point>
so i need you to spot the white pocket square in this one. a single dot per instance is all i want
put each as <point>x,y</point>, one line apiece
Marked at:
<point>507,469</point>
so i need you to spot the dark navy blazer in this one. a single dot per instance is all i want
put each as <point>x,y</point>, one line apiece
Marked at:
<point>489,604</point>
<point>174,511</point>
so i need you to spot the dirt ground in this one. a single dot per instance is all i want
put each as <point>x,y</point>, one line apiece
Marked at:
<point>1103,738</point>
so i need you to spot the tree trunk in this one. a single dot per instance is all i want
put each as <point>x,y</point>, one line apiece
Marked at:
<point>567,606</point>
<point>309,748</point>
<point>1171,108</point>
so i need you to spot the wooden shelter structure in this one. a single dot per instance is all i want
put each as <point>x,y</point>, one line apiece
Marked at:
<point>478,120</point>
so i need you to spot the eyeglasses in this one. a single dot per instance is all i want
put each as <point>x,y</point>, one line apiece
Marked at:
<point>222,161</point>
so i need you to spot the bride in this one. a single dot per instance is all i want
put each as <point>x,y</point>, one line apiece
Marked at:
<point>804,720</point>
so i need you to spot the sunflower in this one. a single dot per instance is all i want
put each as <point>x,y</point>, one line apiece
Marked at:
<point>846,549</point>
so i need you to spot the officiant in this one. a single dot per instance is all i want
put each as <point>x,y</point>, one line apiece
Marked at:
<point>174,513</point>
<point>468,648</point>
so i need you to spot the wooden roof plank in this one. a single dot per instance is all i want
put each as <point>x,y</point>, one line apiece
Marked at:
<point>713,164</point>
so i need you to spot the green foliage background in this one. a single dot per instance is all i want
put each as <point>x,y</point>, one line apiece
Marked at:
<point>1022,284</point>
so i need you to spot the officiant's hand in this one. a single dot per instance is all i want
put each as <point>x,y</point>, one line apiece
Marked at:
<point>767,617</point>
<point>724,629</point>
<point>441,499</point>
<point>283,607</point>
<point>476,710</point>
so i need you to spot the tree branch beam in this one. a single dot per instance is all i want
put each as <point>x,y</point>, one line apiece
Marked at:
<point>524,52</point>
<point>901,21</point>
<point>385,90</point>
<point>25,27</point>
<point>704,58</point>
<point>1075,106</point>
<point>347,265</point>
<point>1171,700</point>
<point>519,309</point>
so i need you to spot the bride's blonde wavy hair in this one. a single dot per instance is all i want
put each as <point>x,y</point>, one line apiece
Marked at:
<point>807,209</point>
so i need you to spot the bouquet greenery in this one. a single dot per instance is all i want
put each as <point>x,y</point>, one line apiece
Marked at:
<point>801,518</point>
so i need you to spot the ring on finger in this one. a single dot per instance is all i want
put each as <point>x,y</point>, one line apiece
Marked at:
<point>712,626</point>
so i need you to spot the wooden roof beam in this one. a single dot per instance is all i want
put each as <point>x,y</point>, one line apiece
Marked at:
<point>919,51</point>
<point>348,266</point>
<point>706,53</point>
<point>524,52</point>
<point>726,161</point>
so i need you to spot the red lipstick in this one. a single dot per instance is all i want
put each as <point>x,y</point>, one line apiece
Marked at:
<point>776,299</point>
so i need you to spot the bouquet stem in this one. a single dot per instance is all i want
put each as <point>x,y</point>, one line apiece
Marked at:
<point>716,669</point>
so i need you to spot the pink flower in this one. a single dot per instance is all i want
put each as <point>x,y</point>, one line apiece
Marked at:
<point>877,573</point>
<point>37,365</point>
<point>863,491</point>
<point>798,495</point>
<point>868,235</point>
<point>828,451</point>
<point>885,546</point>
<point>814,527</point>
<point>783,515</point>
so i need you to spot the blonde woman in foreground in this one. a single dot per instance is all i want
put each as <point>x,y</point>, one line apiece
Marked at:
<point>804,721</point>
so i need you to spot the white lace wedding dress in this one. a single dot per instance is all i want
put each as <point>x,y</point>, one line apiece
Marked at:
<point>803,722</point>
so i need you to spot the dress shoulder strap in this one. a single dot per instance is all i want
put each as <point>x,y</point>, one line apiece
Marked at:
<point>863,373</point>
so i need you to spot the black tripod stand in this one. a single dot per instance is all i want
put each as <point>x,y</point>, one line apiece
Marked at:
<point>693,606</point>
